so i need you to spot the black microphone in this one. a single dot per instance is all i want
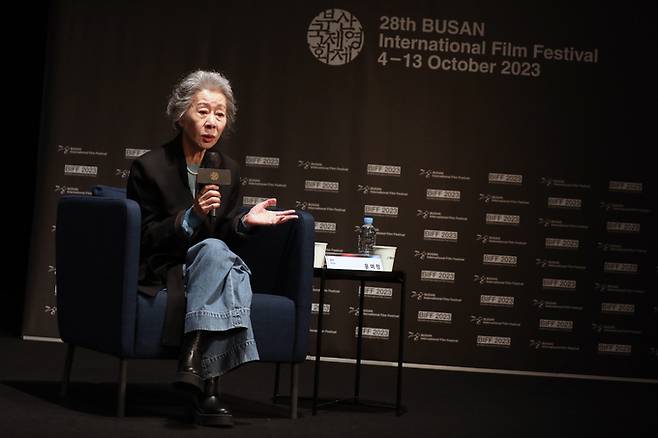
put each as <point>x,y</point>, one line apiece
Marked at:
<point>210,174</point>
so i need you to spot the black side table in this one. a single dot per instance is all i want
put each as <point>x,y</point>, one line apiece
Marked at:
<point>363,277</point>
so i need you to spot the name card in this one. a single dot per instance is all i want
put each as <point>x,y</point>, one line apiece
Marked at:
<point>354,262</point>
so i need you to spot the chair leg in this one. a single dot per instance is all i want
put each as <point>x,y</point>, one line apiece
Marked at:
<point>294,389</point>
<point>68,365</point>
<point>121,397</point>
<point>277,374</point>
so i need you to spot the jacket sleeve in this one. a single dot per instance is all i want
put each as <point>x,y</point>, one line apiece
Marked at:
<point>161,232</point>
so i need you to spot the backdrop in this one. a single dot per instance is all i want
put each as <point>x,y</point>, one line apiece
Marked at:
<point>502,148</point>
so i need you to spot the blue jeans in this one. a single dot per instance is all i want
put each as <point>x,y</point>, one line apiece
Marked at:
<point>218,301</point>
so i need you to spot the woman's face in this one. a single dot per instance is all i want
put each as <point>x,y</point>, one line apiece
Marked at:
<point>205,119</point>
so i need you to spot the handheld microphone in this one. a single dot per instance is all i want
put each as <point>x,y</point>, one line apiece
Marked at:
<point>210,174</point>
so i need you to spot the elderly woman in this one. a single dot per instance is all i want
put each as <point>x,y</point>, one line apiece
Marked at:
<point>183,250</point>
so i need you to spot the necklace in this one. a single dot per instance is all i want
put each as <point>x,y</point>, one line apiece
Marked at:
<point>191,172</point>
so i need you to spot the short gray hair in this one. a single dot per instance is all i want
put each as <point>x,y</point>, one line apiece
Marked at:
<point>183,92</point>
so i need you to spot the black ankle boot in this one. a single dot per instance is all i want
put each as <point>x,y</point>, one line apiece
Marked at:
<point>209,410</point>
<point>188,375</point>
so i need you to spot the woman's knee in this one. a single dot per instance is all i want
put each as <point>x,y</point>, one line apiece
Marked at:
<point>211,248</point>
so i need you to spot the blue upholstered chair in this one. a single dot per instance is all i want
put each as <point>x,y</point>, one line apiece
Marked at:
<point>97,253</point>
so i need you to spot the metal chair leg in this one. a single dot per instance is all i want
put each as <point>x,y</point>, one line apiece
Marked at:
<point>294,389</point>
<point>121,397</point>
<point>68,365</point>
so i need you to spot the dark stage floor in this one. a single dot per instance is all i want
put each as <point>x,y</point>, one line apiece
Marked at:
<point>439,403</point>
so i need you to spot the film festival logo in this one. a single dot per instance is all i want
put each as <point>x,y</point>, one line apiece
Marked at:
<point>335,37</point>
<point>122,173</point>
<point>535,344</point>
<point>414,336</point>
<point>422,255</point>
<point>363,189</point>
<point>482,238</point>
<point>417,295</point>
<point>480,279</point>
<point>486,198</point>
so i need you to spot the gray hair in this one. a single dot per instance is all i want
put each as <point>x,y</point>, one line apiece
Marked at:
<point>183,92</point>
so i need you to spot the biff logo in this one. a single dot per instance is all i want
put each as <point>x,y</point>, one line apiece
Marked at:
<point>257,161</point>
<point>502,219</point>
<point>494,341</point>
<point>499,259</point>
<point>567,203</point>
<point>620,268</point>
<point>505,178</point>
<point>373,332</point>
<point>622,227</point>
<point>443,195</point>
<point>380,210</point>
<point>556,324</point>
<point>321,186</point>
<point>554,243</point>
<point>618,308</point>
<point>383,170</point>
<point>440,235</point>
<point>440,276</point>
<point>496,301</point>
<point>625,186</point>
<point>427,316</point>
<point>325,227</point>
<point>76,170</point>
<point>558,283</point>
<point>622,349</point>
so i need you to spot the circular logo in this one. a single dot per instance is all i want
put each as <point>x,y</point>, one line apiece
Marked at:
<point>335,37</point>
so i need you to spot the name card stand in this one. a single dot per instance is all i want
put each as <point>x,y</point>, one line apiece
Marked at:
<point>354,262</point>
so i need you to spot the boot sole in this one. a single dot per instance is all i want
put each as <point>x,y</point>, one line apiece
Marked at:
<point>212,419</point>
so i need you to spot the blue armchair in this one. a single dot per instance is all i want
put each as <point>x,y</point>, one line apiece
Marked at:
<point>97,253</point>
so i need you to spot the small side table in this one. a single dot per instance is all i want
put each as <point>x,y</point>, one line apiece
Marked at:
<point>398,277</point>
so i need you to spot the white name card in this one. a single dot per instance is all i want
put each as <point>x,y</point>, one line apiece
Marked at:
<point>355,262</point>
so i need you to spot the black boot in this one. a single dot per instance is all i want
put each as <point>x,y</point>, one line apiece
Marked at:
<point>188,375</point>
<point>208,410</point>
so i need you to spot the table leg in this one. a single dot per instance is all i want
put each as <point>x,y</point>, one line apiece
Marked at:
<point>402,337</point>
<point>359,338</point>
<point>318,345</point>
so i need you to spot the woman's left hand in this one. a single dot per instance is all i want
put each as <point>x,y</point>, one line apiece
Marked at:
<point>260,215</point>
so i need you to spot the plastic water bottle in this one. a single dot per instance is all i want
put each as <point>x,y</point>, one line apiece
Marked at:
<point>367,236</point>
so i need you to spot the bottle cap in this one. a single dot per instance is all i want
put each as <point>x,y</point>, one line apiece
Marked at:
<point>367,220</point>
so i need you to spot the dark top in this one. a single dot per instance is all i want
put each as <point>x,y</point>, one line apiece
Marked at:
<point>158,183</point>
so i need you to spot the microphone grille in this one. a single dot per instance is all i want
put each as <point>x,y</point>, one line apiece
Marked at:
<point>211,159</point>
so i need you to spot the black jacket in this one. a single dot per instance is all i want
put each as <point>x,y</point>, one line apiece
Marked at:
<point>158,183</point>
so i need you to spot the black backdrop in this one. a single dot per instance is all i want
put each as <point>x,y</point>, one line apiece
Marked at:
<point>522,204</point>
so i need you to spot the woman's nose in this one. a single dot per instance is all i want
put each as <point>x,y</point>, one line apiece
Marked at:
<point>209,122</point>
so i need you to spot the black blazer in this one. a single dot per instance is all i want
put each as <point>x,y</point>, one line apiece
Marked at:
<point>158,183</point>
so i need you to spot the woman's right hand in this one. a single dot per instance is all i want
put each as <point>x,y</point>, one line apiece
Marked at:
<point>207,199</point>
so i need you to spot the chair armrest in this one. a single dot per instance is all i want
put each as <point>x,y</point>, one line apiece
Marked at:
<point>281,262</point>
<point>97,258</point>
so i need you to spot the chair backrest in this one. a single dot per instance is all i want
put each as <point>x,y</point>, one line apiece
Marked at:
<point>103,191</point>
<point>97,257</point>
